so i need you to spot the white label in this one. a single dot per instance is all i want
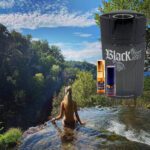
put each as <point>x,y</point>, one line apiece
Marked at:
<point>118,58</point>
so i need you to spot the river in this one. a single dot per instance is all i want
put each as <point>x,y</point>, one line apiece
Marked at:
<point>106,128</point>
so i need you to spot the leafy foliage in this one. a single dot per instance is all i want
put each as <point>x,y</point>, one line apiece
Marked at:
<point>27,71</point>
<point>57,100</point>
<point>142,6</point>
<point>147,84</point>
<point>84,91</point>
<point>83,87</point>
<point>10,138</point>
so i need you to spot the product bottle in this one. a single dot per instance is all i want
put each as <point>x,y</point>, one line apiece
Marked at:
<point>111,82</point>
<point>101,76</point>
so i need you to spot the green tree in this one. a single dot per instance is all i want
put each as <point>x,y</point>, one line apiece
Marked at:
<point>39,78</point>
<point>142,6</point>
<point>56,52</point>
<point>55,69</point>
<point>83,87</point>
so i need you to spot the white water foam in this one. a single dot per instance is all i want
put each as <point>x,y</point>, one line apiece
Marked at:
<point>131,134</point>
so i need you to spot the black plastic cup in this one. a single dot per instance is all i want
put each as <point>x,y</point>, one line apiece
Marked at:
<point>123,45</point>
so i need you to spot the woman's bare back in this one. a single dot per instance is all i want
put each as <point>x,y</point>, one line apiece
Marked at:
<point>69,111</point>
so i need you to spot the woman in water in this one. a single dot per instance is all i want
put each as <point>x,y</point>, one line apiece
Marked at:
<point>68,109</point>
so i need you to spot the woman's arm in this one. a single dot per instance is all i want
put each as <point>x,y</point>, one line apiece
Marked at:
<point>60,113</point>
<point>77,115</point>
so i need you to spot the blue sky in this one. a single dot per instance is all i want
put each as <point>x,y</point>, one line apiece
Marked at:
<point>68,24</point>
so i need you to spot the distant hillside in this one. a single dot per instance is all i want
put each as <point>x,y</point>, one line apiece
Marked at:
<point>82,66</point>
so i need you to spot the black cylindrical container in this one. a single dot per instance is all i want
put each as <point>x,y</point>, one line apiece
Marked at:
<point>123,45</point>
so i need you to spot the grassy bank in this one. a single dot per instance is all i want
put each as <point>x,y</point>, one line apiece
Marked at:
<point>10,138</point>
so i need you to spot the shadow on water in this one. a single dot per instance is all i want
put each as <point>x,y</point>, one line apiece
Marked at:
<point>133,123</point>
<point>92,136</point>
<point>136,118</point>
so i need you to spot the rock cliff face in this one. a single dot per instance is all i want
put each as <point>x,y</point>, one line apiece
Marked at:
<point>91,136</point>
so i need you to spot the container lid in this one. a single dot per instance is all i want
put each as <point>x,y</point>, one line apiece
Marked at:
<point>123,26</point>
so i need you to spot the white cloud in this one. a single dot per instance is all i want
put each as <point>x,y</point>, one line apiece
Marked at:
<point>35,19</point>
<point>6,4</point>
<point>90,51</point>
<point>66,45</point>
<point>35,39</point>
<point>82,34</point>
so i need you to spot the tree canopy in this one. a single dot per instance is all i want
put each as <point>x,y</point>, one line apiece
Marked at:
<point>142,6</point>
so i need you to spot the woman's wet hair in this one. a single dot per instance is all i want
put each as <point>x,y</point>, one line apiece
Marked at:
<point>67,89</point>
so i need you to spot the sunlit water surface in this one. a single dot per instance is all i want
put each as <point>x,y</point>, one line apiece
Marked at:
<point>131,123</point>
